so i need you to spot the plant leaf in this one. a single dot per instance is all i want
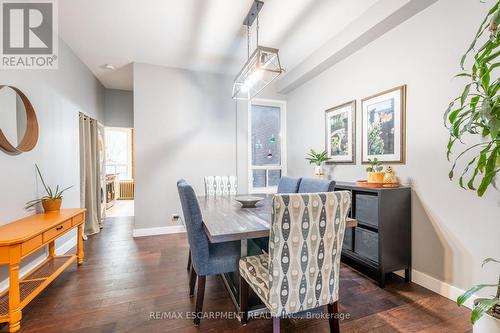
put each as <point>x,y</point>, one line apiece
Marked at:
<point>482,307</point>
<point>488,260</point>
<point>465,296</point>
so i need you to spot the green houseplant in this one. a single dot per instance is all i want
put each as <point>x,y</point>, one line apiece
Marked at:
<point>476,112</point>
<point>317,158</point>
<point>52,199</point>
<point>375,174</point>
<point>482,306</point>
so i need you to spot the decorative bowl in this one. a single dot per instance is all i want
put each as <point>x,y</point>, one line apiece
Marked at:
<point>248,201</point>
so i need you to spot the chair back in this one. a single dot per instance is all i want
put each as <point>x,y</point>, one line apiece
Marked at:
<point>289,184</point>
<point>197,238</point>
<point>305,245</point>
<point>311,185</point>
<point>220,185</point>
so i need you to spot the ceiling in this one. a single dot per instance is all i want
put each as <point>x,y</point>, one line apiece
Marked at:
<point>203,35</point>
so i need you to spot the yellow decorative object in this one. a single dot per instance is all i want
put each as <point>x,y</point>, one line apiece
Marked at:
<point>390,177</point>
<point>375,177</point>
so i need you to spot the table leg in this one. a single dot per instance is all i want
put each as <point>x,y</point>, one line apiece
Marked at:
<point>244,248</point>
<point>52,249</point>
<point>79,241</point>
<point>14,298</point>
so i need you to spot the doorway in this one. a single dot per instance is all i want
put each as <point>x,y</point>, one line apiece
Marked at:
<point>119,170</point>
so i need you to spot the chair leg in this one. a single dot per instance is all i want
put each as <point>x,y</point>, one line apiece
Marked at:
<point>333,319</point>
<point>276,325</point>
<point>244,290</point>
<point>189,261</point>
<point>199,299</point>
<point>192,282</point>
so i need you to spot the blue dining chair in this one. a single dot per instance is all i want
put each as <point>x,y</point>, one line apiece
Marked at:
<point>289,184</point>
<point>311,185</point>
<point>206,258</point>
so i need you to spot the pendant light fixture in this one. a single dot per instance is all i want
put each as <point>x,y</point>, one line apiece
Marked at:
<point>262,66</point>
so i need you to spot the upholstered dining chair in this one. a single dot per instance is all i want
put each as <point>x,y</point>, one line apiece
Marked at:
<point>206,258</point>
<point>289,184</point>
<point>301,271</point>
<point>312,185</point>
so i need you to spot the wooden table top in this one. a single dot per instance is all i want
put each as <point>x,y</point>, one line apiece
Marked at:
<point>225,220</point>
<point>21,230</point>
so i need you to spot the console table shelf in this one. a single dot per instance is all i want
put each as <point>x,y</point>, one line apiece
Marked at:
<point>21,238</point>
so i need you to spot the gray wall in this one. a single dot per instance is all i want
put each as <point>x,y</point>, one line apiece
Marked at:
<point>57,96</point>
<point>185,127</point>
<point>453,229</point>
<point>118,108</point>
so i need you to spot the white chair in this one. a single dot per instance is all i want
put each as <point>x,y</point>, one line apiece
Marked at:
<point>209,186</point>
<point>225,185</point>
<point>221,185</point>
<point>233,185</point>
<point>218,185</point>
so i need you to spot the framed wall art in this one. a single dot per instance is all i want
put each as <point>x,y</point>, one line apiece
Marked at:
<point>340,134</point>
<point>383,130</point>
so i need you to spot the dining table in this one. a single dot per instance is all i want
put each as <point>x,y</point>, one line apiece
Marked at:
<point>225,220</point>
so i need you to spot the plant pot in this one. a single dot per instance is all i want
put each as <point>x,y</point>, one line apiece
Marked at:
<point>376,177</point>
<point>318,170</point>
<point>51,205</point>
<point>487,324</point>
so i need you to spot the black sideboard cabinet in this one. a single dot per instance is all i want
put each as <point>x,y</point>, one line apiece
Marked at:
<point>381,243</point>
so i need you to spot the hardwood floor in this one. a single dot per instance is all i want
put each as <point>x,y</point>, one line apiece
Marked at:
<point>123,281</point>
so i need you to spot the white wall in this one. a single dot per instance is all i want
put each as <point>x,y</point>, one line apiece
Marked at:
<point>57,96</point>
<point>118,108</point>
<point>185,127</point>
<point>453,229</point>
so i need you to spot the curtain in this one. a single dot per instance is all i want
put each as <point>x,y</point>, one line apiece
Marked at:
<point>90,187</point>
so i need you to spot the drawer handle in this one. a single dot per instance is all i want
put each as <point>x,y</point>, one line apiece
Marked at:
<point>59,227</point>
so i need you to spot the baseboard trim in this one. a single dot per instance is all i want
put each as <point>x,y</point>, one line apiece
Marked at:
<point>173,229</point>
<point>60,250</point>
<point>439,287</point>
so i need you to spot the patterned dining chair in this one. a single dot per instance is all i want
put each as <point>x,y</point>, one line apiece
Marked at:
<point>233,185</point>
<point>206,258</point>
<point>312,185</point>
<point>301,271</point>
<point>289,184</point>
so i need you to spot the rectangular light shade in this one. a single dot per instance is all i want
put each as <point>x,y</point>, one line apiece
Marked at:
<point>262,68</point>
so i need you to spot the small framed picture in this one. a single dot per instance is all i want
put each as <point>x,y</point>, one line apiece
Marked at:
<point>340,136</point>
<point>383,132</point>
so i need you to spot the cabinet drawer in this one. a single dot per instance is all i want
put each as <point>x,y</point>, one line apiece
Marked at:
<point>56,231</point>
<point>367,209</point>
<point>366,244</point>
<point>31,245</point>
<point>347,245</point>
<point>77,219</point>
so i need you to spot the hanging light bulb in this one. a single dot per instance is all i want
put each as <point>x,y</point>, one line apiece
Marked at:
<point>269,154</point>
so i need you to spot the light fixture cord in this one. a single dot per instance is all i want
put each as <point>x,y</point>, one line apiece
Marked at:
<point>248,42</point>
<point>257,30</point>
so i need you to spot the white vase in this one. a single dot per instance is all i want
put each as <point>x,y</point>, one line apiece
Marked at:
<point>318,170</point>
<point>487,324</point>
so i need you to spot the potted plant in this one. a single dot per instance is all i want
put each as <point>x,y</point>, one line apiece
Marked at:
<point>476,111</point>
<point>52,200</point>
<point>486,313</point>
<point>375,174</point>
<point>317,158</point>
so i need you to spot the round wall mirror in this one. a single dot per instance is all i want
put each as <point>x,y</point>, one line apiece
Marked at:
<point>18,123</point>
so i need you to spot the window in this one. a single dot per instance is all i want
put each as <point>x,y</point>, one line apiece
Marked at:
<point>266,145</point>
<point>119,159</point>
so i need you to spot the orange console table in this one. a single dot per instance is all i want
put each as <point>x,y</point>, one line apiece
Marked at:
<point>22,238</point>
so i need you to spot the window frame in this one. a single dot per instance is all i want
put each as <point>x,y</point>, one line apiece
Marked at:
<point>283,166</point>
<point>130,151</point>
